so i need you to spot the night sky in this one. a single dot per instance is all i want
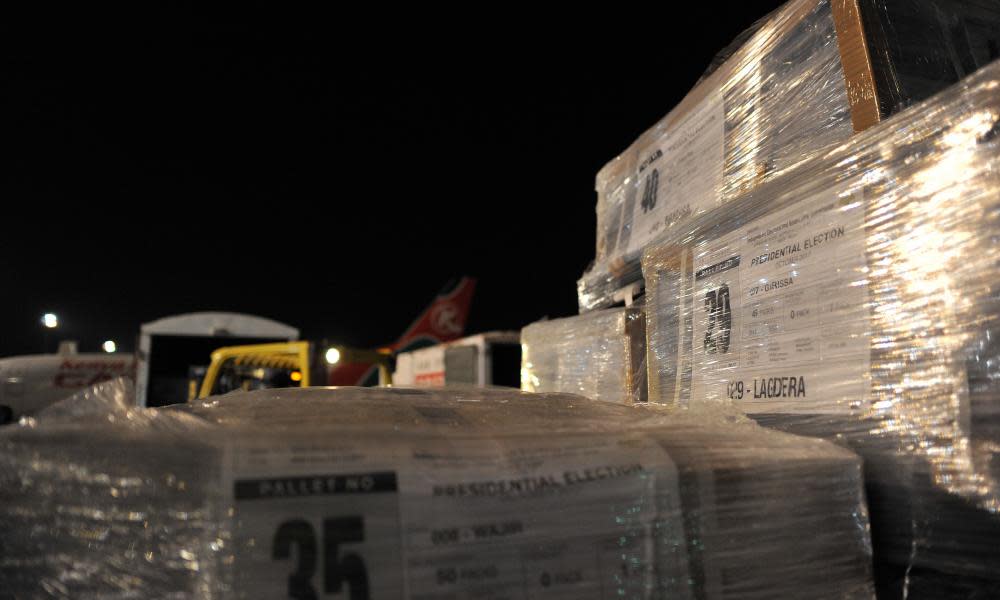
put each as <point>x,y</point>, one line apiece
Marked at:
<point>328,172</point>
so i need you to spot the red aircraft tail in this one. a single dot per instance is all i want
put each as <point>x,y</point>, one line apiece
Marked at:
<point>444,320</point>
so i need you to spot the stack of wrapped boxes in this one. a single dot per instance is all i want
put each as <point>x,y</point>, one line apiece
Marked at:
<point>792,250</point>
<point>856,298</point>
<point>814,228</point>
<point>812,74</point>
<point>395,493</point>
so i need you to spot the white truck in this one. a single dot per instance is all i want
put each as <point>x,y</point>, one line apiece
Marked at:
<point>32,382</point>
<point>485,359</point>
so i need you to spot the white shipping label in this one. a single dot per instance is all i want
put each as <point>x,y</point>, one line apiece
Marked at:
<point>563,517</point>
<point>682,175</point>
<point>314,519</point>
<point>780,312</point>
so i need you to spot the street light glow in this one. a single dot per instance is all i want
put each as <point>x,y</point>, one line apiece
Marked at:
<point>50,321</point>
<point>109,346</point>
<point>332,356</point>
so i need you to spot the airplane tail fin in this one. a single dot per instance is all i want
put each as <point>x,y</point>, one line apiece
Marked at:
<point>444,320</point>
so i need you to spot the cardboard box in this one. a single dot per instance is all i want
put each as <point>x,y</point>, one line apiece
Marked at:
<point>375,493</point>
<point>813,73</point>
<point>854,298</point>
<point>600,355</point>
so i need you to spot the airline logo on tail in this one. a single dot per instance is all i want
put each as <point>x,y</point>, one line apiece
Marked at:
<point>443,321</point>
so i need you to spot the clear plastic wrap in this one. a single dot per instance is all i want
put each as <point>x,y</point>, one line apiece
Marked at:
<point>600,355</point>
<point>392,493</point>
<point>102,500</point>
<point>856,298</point>
<point>809,75</point>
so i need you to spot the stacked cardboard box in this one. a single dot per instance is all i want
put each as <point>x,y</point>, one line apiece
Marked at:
<point>756,175</point>
<point>855,298</point>
<point>600,355</point>
<point>375,493</point>
<point>810,75</point>
<point>826,285</point>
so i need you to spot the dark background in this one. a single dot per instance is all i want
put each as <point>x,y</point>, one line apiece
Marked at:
<point>325,170</point>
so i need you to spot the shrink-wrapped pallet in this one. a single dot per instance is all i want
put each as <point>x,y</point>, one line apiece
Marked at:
<point>809,75</point>
<point>375,493</point>
<point>855,298</point>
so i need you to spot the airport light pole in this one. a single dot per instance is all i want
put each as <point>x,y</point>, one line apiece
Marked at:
<point>49,322</point>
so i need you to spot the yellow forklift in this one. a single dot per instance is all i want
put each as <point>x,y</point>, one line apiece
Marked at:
<point>284,364</point>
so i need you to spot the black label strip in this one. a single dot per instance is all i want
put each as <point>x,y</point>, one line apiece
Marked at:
<point>314,485</point>
<point>730,263</point>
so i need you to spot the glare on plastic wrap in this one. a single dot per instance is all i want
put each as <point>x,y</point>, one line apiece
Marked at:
<point>467,490</point>
<point>600,355</point>
<point>881,336</point>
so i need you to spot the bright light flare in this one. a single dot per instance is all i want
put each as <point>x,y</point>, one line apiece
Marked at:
<point>109,346</point>
<point>50,321</point>
<point>332,356</point>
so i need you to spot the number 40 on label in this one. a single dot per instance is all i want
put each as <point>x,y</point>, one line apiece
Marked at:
<point>337,570</point>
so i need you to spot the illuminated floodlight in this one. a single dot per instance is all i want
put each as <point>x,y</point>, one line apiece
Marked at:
<point>332,356</point>
<point>50,320</point>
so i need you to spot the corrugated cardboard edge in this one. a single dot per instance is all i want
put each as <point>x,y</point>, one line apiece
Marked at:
<point>674,261</point>
<point>856,61</point>
<point>635,340</point>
